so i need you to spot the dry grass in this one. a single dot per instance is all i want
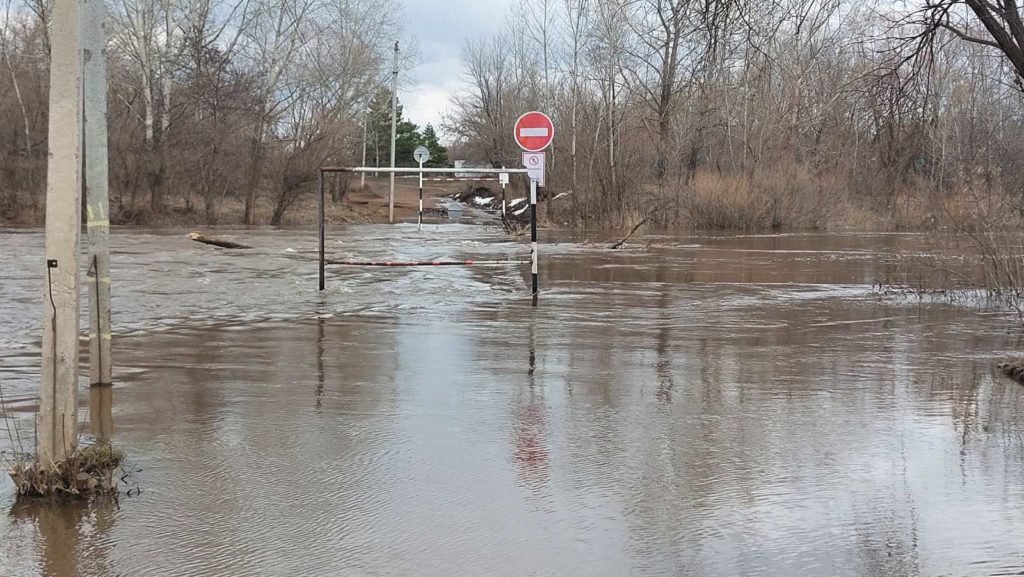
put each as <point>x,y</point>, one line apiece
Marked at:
<point>793,198</point>
<point>86,472</point>
<point>781,199</point>
<point>90,470</point>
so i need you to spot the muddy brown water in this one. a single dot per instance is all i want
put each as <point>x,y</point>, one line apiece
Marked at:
<point>725,405</point>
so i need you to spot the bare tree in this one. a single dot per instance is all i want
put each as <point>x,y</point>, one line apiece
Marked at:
<point>993,23</point>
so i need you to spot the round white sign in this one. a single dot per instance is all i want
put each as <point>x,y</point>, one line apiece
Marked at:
<point>421,154</point>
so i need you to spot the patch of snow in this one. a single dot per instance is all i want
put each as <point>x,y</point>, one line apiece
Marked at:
<point>481,201</point>
<point>516,201</point>
<point>520,211</point>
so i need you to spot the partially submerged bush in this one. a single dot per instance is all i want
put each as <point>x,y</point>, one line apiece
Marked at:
<point>87,471</point>
<point>1013,368</point>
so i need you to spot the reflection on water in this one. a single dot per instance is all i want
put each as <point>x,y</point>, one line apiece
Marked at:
<point>60,540</point>
<point>101,418</point>
<point>725,406</point>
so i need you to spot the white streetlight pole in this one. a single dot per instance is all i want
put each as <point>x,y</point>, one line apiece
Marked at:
<point>394,134</point>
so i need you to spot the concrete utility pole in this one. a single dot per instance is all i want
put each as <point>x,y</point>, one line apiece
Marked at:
<point>101,412</point>
<point>96,192</point>
<point>394,134</point>
<point>58,407</point>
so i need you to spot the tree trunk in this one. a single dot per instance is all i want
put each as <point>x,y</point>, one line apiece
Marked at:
<point>25,121</point>
<point>156,183</point>
<point>256,162</point>
<point>572,148</point>
<point>147,98</point>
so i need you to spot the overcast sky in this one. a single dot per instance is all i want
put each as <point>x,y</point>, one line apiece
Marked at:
<point>441,28</point>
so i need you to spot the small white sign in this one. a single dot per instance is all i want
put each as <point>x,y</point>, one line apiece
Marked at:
<point>503,178</point>
<point>421,154</point>
<point>535,162</point>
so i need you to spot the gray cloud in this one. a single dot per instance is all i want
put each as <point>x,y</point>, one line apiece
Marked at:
<point>441,29</point>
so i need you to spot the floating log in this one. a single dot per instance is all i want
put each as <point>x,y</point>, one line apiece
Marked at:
<point>216,241</point>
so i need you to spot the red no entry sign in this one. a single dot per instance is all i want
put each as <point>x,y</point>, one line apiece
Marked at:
<point>534,131</point>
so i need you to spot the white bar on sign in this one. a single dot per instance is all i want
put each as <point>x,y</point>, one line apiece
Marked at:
<point>525,132</point>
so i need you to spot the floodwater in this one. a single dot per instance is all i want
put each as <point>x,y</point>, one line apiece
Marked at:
<point>711,405</point>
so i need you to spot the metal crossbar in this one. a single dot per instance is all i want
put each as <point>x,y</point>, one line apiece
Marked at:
<point>421,171</point>
<point>425,262</point>
<point>414,170</point>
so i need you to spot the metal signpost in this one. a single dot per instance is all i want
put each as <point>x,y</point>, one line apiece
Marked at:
<point>421,154</point>
<point>533,133</point>
<point>366,120</point>
<point>503,178</point>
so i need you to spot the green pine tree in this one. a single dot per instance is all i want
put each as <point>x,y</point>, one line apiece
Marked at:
<point>407,138</point>
<point>438,153</point>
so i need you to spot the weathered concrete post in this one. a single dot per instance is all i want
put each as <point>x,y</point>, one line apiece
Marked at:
<point>101,412</point>
<point>94,44</point>
<point>58,409</point>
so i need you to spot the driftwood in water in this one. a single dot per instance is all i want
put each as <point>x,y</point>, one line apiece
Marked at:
<point>216,241</point>
<point>1014,369</point>
<point>514,227</point>
<point>642,222</point>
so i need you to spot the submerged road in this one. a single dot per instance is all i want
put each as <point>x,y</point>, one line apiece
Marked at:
<point>712,405</point>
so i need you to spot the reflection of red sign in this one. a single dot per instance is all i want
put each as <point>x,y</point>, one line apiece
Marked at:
<point>534,131</point>
<point>531,452</point>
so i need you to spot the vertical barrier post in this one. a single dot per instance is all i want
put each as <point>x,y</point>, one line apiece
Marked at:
<point>322,218</point>
<point>503,177</point>
<point>419,220</point>
<point>362,175</point>
<point>533,235</point>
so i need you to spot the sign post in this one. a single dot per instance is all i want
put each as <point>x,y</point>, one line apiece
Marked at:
<point>534,257</point>
<point>503,178</point>
<point>533,133</point>
<point>421,154</point>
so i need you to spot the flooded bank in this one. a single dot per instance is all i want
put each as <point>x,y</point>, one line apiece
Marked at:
<point>726,405</point>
